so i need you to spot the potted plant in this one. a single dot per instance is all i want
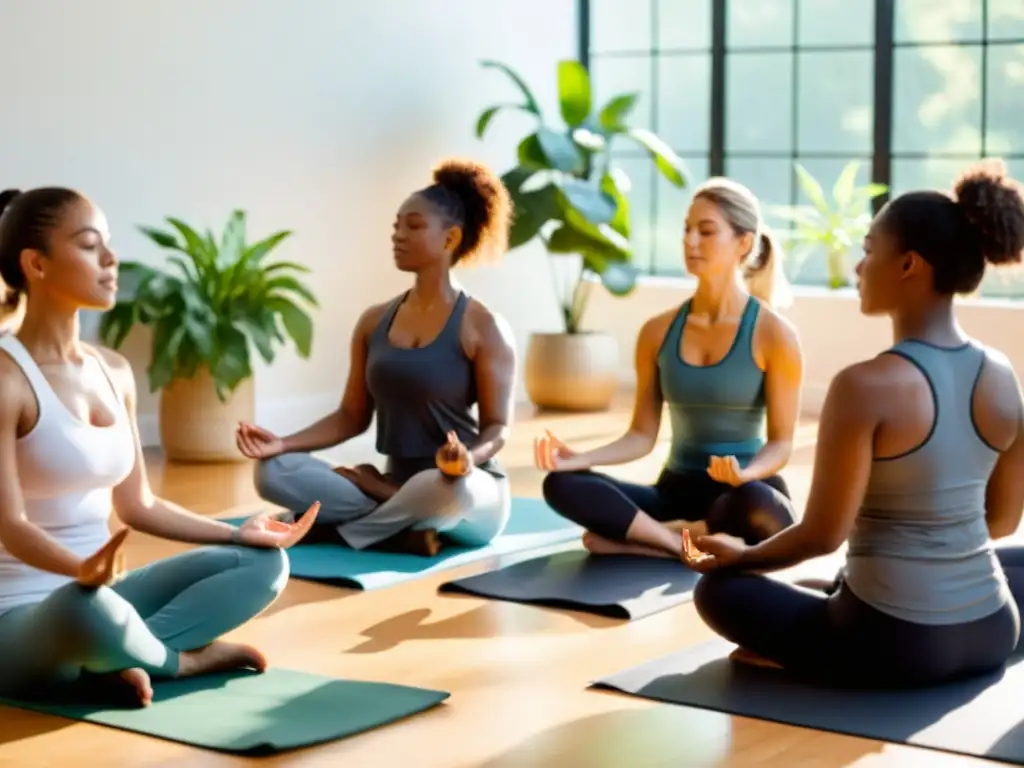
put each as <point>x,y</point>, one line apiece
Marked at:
<point>213,303</point>
<point>569,194</point>
<point>835,227</point>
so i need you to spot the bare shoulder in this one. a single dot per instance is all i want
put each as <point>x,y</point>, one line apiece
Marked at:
<point>120,369</point>
<point>873,383</point>
<point>652,332</point>
<point>776,329</point>
<point>488,326</point>
<point>998,384</point>
<point>15,390</point>
<point>371,317</point>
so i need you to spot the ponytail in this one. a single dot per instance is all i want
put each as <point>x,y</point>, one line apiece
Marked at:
<point>763,272</point>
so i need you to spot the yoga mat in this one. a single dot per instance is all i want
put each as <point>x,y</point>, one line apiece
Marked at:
<point>983,717</point>
<point>618,586</point>
<point>254,714</point>
<point>532,525</point>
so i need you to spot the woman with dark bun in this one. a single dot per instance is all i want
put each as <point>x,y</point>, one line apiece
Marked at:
<point>69,456</point>
<point>420,363</point>
<point>919,467</point>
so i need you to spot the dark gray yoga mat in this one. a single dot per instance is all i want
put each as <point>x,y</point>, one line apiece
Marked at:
<point>982,717</point>
<point>621,587</point>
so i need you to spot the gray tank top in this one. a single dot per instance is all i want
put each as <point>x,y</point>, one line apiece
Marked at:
<point>421,394</point>
<point>920,549</point>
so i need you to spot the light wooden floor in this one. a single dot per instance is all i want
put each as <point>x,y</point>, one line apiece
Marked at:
<point>517,674</point>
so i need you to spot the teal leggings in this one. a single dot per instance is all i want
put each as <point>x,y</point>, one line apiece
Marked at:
<point>145,620</point>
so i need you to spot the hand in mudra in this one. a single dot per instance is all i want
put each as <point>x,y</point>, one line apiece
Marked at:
<point>726,469</point>
<point>552,455</point>
<point>257,443</point>
<point>107,565</point>
<point>453,458</point>
<point>717,550</point>
<point>266,532</point>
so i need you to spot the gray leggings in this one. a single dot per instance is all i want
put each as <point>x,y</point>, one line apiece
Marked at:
<point>471,511</point>
<point>145,620</point>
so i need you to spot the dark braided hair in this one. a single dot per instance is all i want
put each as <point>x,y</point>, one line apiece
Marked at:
<point>470,195</point>
<point>981,223</point>
<point>26,220</point>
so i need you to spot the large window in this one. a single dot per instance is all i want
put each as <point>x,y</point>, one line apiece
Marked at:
<point>913,89</point>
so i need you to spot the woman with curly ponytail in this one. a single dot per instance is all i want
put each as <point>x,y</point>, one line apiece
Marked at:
<point>420,363</point>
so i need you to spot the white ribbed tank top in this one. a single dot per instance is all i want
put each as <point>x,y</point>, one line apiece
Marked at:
<point>67,469</point>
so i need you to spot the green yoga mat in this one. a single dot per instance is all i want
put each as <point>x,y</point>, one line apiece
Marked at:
<point>254,714</point>
<point>532,525</point>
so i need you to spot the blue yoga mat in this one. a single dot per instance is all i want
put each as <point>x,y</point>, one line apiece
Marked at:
<point>532,525</point>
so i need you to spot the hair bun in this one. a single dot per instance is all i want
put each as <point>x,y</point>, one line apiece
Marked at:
<point>486,205</point>
<point>993,203</point>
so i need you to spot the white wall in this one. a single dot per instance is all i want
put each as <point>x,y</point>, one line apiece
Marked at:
<point>313,115</point>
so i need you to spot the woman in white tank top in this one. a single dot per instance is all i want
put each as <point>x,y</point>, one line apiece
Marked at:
<point>69,454</point>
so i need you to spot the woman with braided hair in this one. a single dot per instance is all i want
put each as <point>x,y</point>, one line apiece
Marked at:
<point>420,362</point>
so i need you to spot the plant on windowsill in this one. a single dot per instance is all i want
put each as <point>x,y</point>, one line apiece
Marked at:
<point>215,302</point>
<point>834,227</point>
<point>569,194</point>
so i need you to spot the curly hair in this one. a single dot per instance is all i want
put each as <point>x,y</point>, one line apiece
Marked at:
<point>470,195</point>
<point>980,223</point>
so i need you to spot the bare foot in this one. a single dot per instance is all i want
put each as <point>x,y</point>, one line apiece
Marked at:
<point>139,680</point>
<point>219,656</point>
<point>743,656</point>
<point>598,545</point>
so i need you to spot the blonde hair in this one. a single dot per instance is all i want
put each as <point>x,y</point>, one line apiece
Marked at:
<point>762,266</point>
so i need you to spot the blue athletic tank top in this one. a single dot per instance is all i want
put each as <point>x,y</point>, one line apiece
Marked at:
<point>920,548</point>
<point>715,410</point>
<point>421,394</point>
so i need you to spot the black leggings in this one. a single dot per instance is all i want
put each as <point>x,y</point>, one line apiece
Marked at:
<point>607,506</point>
<point>839,639</point>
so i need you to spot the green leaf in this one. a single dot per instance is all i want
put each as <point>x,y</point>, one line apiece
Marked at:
<point>255,253</point>
<point>261,332</point>
<point>812,189</point>
<point>574,95</point>
<point>619,278</point>
<point>291,285</point>
<point>620,222</point>
<point>560,150</point>
<point>532,209</point>
<point>666,161</point>
<point>232,244</point>
<point>531,154</point>
<point>232,364</point>
<point>595,205</point>
<point>116,324</point>
<point>167,337</point>
<point>567,238</point>
<point>297,324</point>
<point>614,113</point>
<point>530,104</point>
<point>161,238</point>
<point>843,187</point>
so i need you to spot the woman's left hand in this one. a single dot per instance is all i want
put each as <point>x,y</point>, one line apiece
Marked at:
<point>726,469</point>
<point>453,458</point>
<point>707,553</point>
<point>266,532</point>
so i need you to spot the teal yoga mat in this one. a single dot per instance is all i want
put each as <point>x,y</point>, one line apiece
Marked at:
<point>532,525</point>
<point>247,713</point>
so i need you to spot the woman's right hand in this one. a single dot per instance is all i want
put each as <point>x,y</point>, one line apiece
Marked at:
<point>257,443</point>
<point>107,565</point>
<point>552,455</point>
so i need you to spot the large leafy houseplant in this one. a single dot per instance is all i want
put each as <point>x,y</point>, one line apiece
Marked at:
<point>834,226</point>
<point>215,300</point>
<point>566,188</point>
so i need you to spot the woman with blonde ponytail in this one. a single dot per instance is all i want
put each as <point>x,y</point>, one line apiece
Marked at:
<point>730,370</point>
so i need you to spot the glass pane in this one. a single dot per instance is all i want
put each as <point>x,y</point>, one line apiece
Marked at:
<point>1006,19</point>
<point>615,76</point>
<point>1008,281</point>
<point>835,101</point>
<point>641,206</point>
<point>770,178</point>
<point>620,25</point>
<point>1005,99</point>
<point>759,102</point>
<point>938,21</point>
<point>684,24</point>
<point>671,205</point>
<point>932,173</point>
<point>937,99</point>
<point>760,23</point>
<point>836,22</point>
<point>684,101</point>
